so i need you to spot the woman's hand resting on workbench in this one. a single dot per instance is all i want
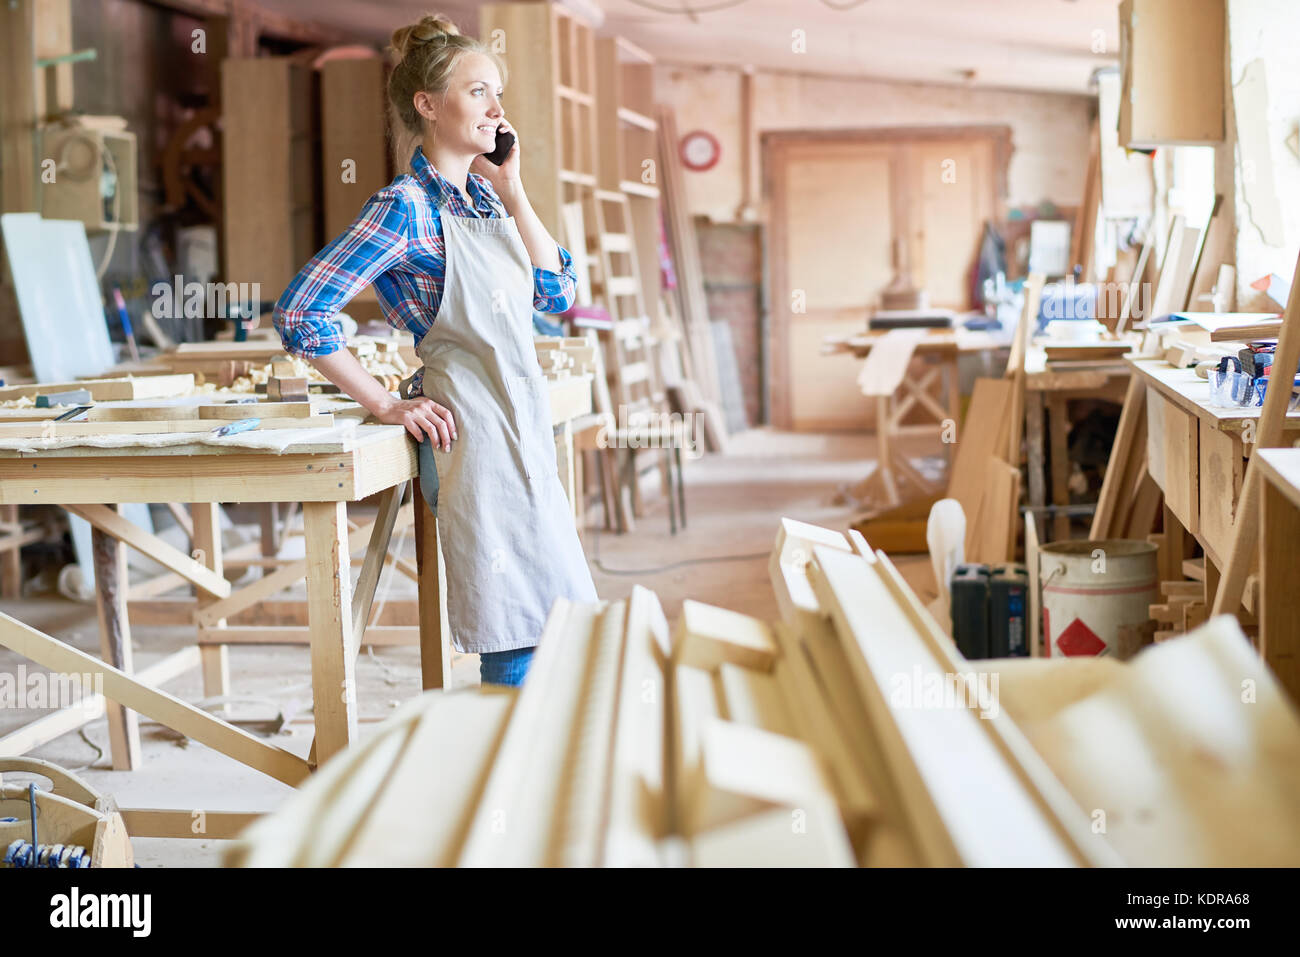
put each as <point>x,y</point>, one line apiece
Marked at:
<point>420,416</point>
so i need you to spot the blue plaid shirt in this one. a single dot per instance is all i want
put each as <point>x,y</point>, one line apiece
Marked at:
<point>396,243</point>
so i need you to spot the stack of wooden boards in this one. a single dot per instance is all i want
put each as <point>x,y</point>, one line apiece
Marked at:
<point>102,414</point>
<point>849,732</point>
<point>561,356</point>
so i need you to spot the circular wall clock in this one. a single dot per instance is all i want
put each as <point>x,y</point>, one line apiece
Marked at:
<point>699,150</point>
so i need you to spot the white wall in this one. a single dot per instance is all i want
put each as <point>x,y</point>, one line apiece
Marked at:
<point>1268,29</point>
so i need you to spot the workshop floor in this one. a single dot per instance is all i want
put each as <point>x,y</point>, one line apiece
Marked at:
<point>733,504</point>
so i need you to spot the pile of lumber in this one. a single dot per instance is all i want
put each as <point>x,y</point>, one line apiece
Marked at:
<point>724,740</point>
<point>849,732</point>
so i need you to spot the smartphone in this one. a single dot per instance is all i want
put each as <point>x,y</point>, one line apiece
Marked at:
<point>505,143</point>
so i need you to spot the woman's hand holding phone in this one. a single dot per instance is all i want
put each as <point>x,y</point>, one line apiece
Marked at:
<point>506,171</point>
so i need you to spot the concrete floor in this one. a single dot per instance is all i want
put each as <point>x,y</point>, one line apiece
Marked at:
<point>733,504</point>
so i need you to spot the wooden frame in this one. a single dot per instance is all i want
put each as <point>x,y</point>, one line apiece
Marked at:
<point>777,148</point>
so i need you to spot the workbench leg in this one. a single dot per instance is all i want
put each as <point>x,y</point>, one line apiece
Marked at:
<point>1277,603</point>
<point>579,491</point>
<point>111,586</point>
<point>435,632</point>
<point>1169,559</point>
<point>951,402</point>
<point>11,563</point>
<point>268,520</point>
<point>329,610</point>
<point>1058,426</point>
<point>206,518</point>
<point>884,451</point>
<point>1036,461</point>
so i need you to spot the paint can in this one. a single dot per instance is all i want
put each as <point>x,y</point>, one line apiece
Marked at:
<point>1097,597</point>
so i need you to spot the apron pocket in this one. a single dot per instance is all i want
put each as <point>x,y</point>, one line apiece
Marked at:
<point>530,402</point>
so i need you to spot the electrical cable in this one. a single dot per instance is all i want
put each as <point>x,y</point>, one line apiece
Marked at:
<point>595,560</point>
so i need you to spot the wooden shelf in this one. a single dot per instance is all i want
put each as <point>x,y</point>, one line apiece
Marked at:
<point>636,119</point>
<point>633,188</point>
<point>577,96</point>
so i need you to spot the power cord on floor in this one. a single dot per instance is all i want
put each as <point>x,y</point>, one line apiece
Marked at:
<point>595,560</point>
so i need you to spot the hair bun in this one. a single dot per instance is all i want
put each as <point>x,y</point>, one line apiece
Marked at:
<point>429,28</point>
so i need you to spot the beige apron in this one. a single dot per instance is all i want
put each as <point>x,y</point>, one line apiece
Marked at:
<point>504,522</point>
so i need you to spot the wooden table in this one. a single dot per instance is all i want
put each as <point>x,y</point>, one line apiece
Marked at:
<point>324,475</point>
<point>1051,389</point>
<point>885,378</point>
<point>1278,604</point>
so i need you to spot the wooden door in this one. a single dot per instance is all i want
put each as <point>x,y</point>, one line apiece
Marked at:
<point>846,212</point>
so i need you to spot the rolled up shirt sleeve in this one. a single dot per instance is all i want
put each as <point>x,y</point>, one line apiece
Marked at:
<point>555,291</point>
<point>375,242</point>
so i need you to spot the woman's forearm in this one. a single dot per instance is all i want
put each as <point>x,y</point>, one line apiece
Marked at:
<point>420,416</point>
<point>343,369</point>
<point>542,248</point>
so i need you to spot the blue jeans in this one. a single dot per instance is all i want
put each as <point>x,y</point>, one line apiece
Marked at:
<point>505,667</point>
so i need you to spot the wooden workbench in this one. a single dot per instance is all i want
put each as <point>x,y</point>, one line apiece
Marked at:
<point>897,395</point>
<point>324,474</point>
<point>1197,452</point>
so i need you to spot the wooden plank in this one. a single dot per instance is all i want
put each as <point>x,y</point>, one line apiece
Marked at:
<point>810,836</point>
<point>248,410</point>
<point>287,575</point>
<point>111,584</point>
<point>744,770</point>
<point>208,549</point>
<point>638,789</point>
<point>170,711</point>
<point>224,475</point>
<point>1263,329</point>
<point>1015,370</point>
<point>53,431</point>
<point>1129,442</point>
<point>435,629</point>
<point>181,824</point>
<point>934,753</point>
<point>390,504</point>
<point>106,519</point>
<point>424,809</point>
<point>983,435</point>
<point>706,636</point>
<point>329,595</point>
<point>753,698</point>
<point>109,390</point>
<point>515,823</point>
<point>91,706</point>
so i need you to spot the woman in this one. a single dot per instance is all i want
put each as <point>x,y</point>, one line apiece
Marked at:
<point>460,259</point>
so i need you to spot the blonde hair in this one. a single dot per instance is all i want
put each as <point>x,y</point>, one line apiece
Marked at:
<point>427,53</point>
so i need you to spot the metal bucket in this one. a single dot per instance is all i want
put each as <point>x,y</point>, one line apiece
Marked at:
<point>1097,597</point>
